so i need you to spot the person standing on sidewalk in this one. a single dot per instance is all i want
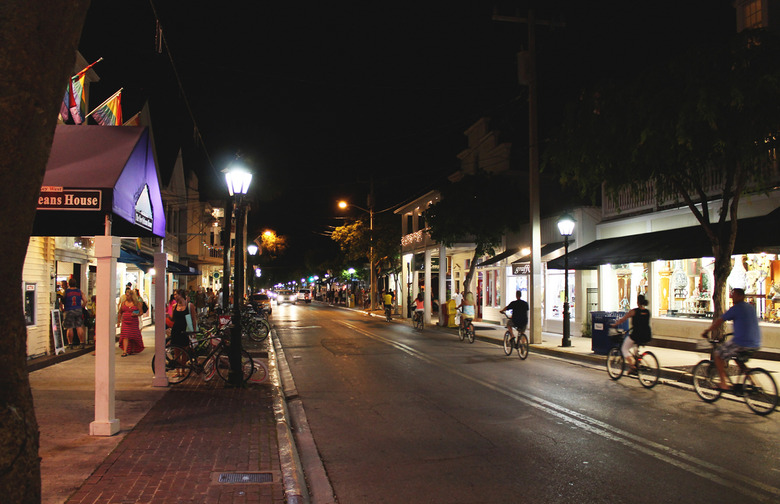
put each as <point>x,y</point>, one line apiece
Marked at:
<point>180,311</point>
<point>747,335</point>
<point>130,311</point>
<point>73,300</point>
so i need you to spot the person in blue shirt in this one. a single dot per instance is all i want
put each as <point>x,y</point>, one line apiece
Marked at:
<point>747,335</point>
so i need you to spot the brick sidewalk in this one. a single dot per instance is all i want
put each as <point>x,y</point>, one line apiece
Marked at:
<point>177,452</point>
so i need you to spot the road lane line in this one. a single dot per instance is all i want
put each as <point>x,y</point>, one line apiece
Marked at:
<point>689,463</point>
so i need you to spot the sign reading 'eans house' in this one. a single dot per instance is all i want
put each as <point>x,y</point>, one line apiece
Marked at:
<point>59,198</point>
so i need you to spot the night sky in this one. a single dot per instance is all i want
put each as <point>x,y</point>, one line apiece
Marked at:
<point>320,97</point>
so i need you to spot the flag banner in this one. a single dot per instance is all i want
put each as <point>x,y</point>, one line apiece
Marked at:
<point>78,105</point>
<point>73,104</point>
<point>133,121</point>
<point>109,113</point>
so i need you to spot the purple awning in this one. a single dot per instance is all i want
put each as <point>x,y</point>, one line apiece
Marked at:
<point>98,170</point>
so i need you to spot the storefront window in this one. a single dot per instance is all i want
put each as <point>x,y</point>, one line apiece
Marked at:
<point>686,286</point>
<point>622,283</point>
<point>554,295</point>
<point>493,288</point>
<point>515,283</point>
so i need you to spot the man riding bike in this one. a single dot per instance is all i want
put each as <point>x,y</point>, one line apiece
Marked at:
<point>519,318</point>
<point>747,336</point>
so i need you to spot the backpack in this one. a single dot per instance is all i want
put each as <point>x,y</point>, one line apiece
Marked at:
<point>144,307</point>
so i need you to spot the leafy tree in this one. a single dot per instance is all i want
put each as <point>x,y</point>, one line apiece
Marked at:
<point>354,240</point>
<point>712,114</point>
<point>480,208</point>
<point>37,55</point>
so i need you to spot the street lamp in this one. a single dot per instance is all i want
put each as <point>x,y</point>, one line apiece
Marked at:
<point>237,179</point>
<point>566,228</point>
<point>252,249</point>
<point>343,205</point>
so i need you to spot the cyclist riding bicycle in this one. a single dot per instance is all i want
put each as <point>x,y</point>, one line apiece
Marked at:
<point>467,308</point>
<point>519,319</point>
<point>640,328</point>
<point>419,304</point>
<point>747,336</point>
<point>387,299</point>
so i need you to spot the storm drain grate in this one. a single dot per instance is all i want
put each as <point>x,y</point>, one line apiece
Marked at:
<point>259,477</point>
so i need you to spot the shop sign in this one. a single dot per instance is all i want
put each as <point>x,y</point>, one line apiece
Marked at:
<point>523,268</point>
<point>143,209</point>
<point>60,198</point>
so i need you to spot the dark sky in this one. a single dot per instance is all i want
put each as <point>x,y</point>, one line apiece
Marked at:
<point>319,97</point>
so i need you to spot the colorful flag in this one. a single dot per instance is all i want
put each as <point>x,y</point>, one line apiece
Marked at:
<point>73,104</point>
<point>133,121</point>
<point>109,113</point>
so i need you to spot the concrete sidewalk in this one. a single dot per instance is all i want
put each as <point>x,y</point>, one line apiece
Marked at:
<point>175,443</point>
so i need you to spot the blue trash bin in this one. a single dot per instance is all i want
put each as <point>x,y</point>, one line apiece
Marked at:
<point>600,321</point>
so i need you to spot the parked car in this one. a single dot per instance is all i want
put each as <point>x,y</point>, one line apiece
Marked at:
<point>304,295</point>
<point>262,301</point>
<point>286,296</point>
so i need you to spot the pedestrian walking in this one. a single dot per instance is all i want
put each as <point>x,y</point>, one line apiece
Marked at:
<point>73,302</point>
<point>128,317</point>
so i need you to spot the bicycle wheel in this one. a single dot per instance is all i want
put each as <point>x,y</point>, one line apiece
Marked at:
<point>470,332</point>
<point>615,363</point>
<point>222,361</point>
<point>177,367</point>
<point>209,369</point>
<point>260,331</point>
<point>461,333</point>
<point>648,370</point>
<point>760,391</point>
<point>260,374</point>
<point>705,381</point>
<point>522,346</point>
<point>508,343</point>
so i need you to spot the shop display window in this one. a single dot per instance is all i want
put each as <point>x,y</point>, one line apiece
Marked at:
<point>554,295</point>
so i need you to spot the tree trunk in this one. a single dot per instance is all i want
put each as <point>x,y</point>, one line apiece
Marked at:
<point>37,54</point>
<point>470,274</point>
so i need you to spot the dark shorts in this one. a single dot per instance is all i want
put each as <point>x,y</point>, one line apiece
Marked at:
<point>511,323</point>
<point>730,350</point>
<point>73,319</point>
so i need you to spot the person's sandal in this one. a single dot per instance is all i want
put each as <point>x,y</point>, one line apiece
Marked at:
<point>123,355</point>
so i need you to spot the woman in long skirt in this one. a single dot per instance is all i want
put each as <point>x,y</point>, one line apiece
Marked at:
<point>130,340</point>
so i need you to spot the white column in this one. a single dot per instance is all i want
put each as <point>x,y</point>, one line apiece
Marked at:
<point>160,278</point>
<point>106,252</point>
<point>442,284</point>
<point>427,298</point>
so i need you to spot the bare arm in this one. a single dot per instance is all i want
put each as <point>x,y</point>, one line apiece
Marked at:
<point>623,318</point>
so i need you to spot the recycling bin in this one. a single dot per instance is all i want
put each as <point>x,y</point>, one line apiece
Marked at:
<point>600,322</point>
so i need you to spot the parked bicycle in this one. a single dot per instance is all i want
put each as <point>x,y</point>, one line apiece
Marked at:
<point>645,362</point>
<point>418,321</point>
<point>516,340</point>
<point>207,355</point>
<point>466,329</point>
<point>755,385</point>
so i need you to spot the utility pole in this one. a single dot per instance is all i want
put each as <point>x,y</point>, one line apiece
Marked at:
<point>528,77</point>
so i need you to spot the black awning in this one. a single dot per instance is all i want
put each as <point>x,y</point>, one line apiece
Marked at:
<point>499,257</point>
<point>754,235</point>
<point>180,269</point>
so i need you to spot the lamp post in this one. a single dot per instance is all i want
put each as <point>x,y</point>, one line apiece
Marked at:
<point>252,249</point>
<point>370,211</point>
<point>566,228</point>
<point>238,180</point>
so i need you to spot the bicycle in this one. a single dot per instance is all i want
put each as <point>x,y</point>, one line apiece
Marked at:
<point>180,362</point>
<point>645,363</point>
<point>518,340</point>
<point>417,320</point>
<point>466,329</point>
<point>755,385</point>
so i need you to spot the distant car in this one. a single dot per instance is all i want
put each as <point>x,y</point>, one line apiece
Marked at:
<point>286,296</point>
<point>262,301</point>
<point>304,295</point>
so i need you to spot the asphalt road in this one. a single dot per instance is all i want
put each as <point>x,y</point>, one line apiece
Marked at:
<point>401,416</point>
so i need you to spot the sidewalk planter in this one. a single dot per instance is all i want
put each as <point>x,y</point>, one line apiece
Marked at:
<point>600,322</point>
